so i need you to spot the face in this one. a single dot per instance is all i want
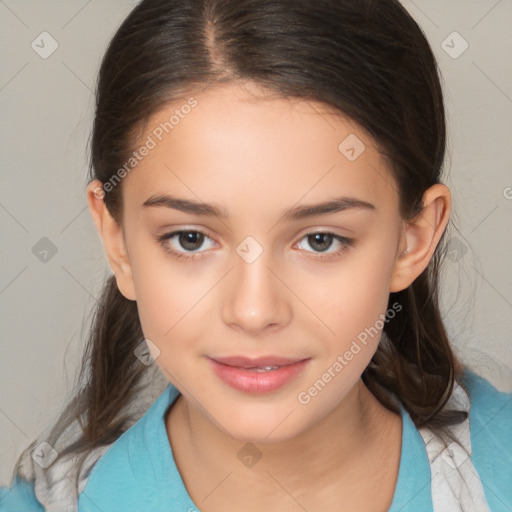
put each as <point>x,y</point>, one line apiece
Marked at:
<point>296,292</point>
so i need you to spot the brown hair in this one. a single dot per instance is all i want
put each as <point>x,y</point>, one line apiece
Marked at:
<point>369,60</point>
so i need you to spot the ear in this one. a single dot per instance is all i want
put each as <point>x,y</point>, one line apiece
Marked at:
<point>421,236</point>
<point>112,236</point>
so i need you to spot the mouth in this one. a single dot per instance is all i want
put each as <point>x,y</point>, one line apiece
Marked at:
<point>260,375</point>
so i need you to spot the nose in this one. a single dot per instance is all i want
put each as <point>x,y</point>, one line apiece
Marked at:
<point>256,300</point>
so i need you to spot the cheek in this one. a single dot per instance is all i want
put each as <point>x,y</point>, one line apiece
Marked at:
<point>166,295</point>
<point>354,309</point>
<point>356,295</point>
<point>169,306</point>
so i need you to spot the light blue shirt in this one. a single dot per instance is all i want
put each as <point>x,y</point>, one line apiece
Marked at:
<point>138,472</point>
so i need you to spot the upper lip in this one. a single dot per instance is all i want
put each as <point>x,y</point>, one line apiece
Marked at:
<point>258,362</point>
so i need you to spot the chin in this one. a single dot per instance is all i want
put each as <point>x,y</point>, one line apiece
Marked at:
<point>254,425</point>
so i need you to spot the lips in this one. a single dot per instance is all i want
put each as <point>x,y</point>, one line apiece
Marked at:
<point>257,375</point>
<point>260,362</point>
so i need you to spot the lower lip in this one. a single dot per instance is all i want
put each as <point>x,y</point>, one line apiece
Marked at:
<point>251,381</point>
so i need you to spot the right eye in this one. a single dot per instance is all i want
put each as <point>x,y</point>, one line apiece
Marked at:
<point>190,241</point>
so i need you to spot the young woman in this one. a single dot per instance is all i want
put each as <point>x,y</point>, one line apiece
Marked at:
<point>266,178</point>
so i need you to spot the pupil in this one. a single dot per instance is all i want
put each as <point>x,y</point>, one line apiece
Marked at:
<point>318,237</point>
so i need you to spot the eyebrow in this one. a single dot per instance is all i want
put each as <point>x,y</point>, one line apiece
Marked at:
<point>337,204</point>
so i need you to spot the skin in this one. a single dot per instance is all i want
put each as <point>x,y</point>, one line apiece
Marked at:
<point>257,155</point>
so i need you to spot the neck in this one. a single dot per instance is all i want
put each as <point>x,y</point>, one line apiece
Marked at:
<point>344,444</point>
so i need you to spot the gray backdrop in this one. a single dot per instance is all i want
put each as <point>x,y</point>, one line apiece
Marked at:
<point>52,261</point>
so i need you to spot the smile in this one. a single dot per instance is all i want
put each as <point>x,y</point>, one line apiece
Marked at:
<point>262,375</point>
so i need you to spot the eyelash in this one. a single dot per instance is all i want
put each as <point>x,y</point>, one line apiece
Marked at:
<point>183,256</point>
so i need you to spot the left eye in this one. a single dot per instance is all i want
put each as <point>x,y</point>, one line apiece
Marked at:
<point>191,242</point>
<point>321,241</point>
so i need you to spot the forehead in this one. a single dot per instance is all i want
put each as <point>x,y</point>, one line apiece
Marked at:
<point>238,145</point>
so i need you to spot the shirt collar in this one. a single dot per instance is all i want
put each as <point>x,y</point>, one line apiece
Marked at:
<point>412,491</point>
